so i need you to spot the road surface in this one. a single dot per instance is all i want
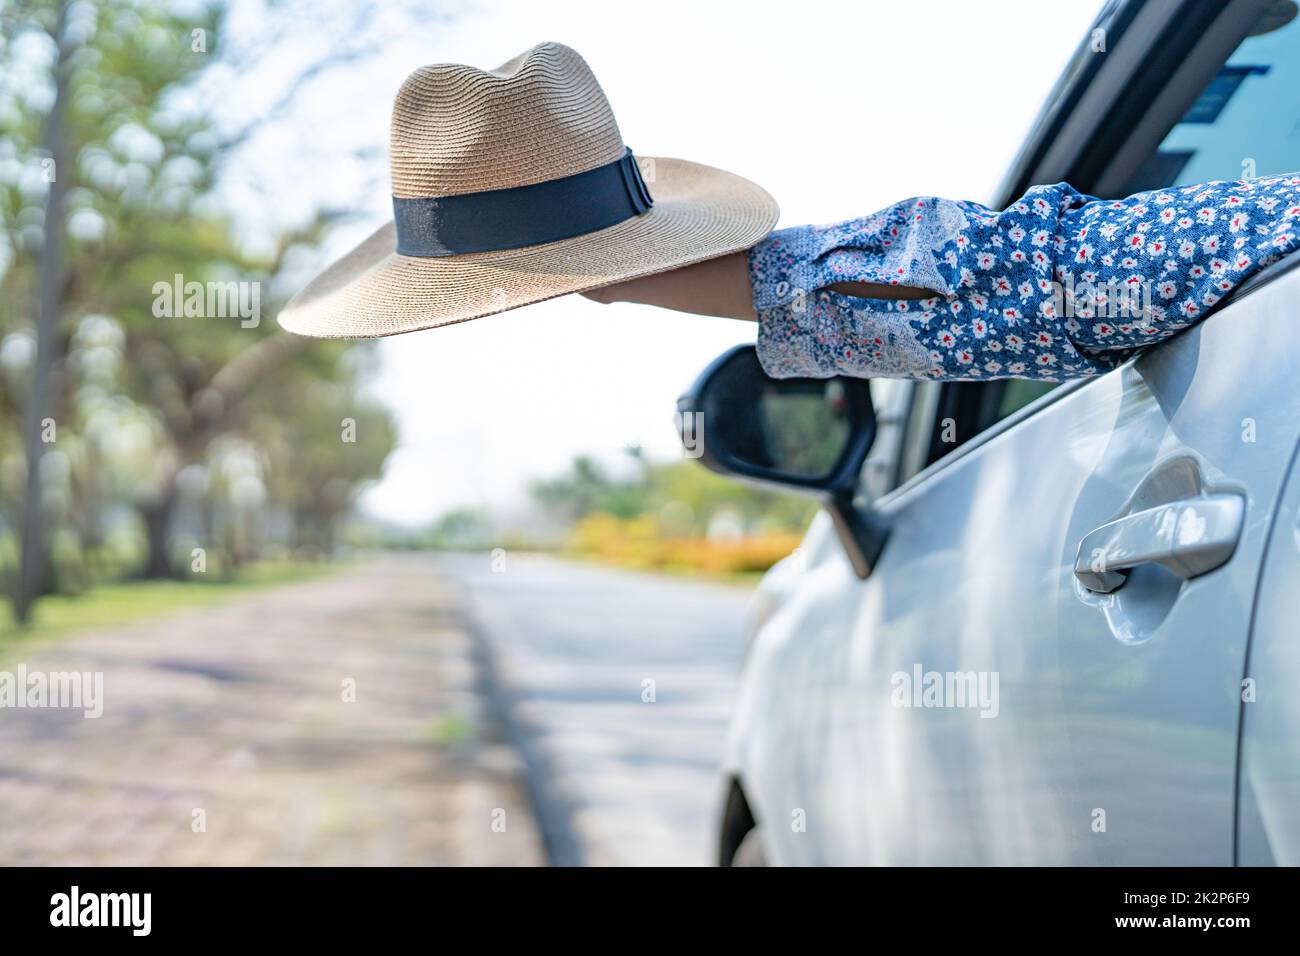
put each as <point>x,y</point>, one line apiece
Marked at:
<point>619,687</point>
<point>337,721</point>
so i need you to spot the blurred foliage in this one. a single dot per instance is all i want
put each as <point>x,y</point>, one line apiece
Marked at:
<point>686,499</point>
<point>643,543</point>
<point>463,529</point>
<point>673,516</point>
<point>173,433</point>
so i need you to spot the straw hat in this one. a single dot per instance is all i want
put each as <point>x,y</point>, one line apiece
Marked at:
<point>514,186</point>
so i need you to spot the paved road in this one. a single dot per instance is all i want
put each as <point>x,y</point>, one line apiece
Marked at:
<point>238,710</point>
<point>634,782</point>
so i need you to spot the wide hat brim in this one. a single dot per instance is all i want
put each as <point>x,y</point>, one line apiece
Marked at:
<point>699,213</point>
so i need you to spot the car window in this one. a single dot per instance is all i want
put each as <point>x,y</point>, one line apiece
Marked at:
<point>914,453</point>
<point>892,399</point>
<point>1019,392</point>
<point>1245,123</point>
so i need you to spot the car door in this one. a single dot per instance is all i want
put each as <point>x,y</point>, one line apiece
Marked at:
<point>973,701</point>
<point>1268,830</point>
<point>1097,728</point>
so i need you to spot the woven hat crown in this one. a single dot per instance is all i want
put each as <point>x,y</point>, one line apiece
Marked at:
<point>541,116</point>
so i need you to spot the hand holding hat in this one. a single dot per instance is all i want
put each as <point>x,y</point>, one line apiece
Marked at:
<point>514,186</point>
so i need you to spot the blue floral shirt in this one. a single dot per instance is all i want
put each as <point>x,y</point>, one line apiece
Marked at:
<point>1058,285</point>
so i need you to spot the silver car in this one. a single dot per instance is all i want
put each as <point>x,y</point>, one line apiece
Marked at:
<point>1035,624</point>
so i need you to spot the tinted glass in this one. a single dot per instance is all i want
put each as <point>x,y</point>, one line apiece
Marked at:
<point>1246,122</point>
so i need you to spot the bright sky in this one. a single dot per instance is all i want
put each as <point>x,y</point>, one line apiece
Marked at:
<point>836,108</point>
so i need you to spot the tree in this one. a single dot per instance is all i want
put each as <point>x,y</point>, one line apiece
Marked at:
<point>110,99</point>
<point>32,547</point>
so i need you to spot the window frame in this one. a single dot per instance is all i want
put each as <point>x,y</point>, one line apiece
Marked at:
<point>909,485</point>
<point>1104,116</point>
<point>895,498</point>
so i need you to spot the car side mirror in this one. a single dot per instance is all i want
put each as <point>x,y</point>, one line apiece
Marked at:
<point>807,435</point>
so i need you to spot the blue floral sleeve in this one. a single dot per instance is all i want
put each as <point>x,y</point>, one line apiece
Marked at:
<point>1058,285</point>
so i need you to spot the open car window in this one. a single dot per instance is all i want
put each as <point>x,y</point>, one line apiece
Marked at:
<point>1246,122</point>
<point>1243,123</point>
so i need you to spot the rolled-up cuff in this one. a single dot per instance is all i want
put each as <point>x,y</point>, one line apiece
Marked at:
<point>836,334</point>
<point>783,268</point>
<point>790,344</point>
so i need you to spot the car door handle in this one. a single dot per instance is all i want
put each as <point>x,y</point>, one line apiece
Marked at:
<point>1188,537</point>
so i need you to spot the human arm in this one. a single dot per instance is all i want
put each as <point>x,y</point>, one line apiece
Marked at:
<point>1058,285</point>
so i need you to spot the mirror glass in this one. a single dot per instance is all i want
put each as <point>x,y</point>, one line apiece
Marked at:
<point>794,427</point>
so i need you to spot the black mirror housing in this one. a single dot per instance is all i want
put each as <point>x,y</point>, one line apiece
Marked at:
<point>805,435</point>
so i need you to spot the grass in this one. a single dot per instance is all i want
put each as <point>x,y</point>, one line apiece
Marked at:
<point>128,601</point>
<point>445,730</point>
